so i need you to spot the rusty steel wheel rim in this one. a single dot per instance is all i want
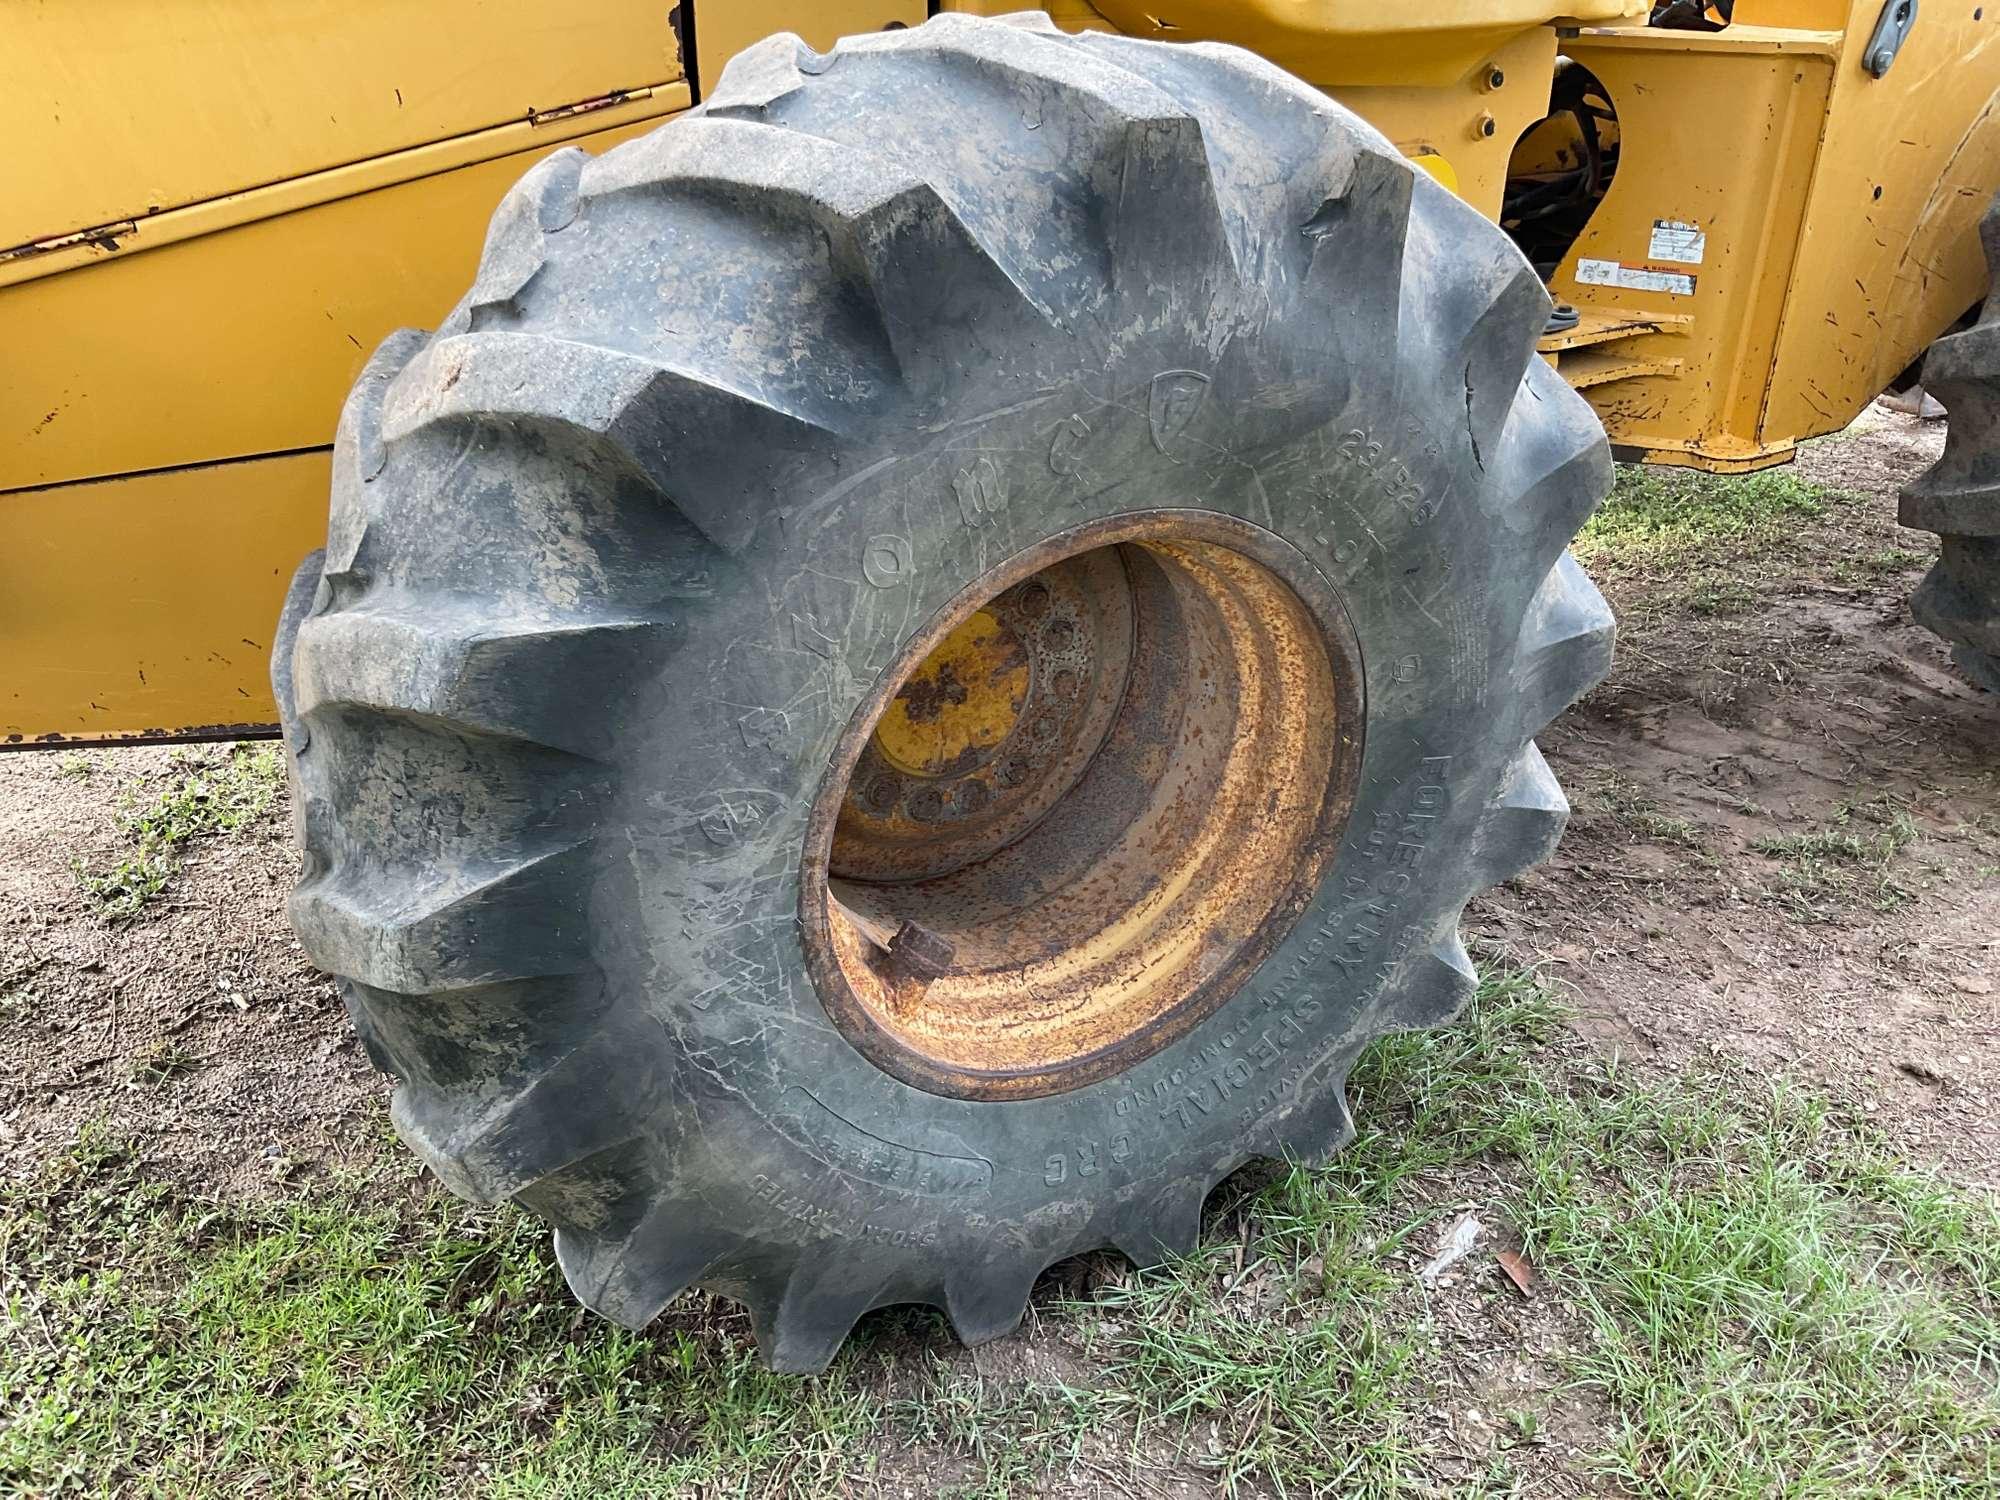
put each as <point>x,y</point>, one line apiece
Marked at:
<point>1083,805</point>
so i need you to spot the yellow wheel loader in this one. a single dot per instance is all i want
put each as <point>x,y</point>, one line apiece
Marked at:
<point>956,602</point>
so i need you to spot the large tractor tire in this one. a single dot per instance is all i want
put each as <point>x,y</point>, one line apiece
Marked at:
<point>927,656</point>
<point>1958,497</point>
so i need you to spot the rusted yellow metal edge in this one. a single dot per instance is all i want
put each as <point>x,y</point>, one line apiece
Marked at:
<point>1762,41</point>
<point>127,237</point>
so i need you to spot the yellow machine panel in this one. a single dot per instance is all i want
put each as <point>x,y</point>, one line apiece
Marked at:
<point>118,109</point>
<point>725,29</point>
<point>1454,85</point>
<point>170,384</point>
<point>145,604</point>
<point>244,339</point>
<point>1786,231</point>
<point>1339,42</point>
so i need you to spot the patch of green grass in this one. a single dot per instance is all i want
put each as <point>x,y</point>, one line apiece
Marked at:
<point>1637,811</point>
<point>211,795</point>
<point>75,767</point>
<point>162,1061</point>
<point>1773,1303</point>
<point>1842,861</point>
<point>1754,1298</point>
<point>1877,565</point>
<point>1719,594</point>
<point>1660,518</point>
<point>324,1345</point>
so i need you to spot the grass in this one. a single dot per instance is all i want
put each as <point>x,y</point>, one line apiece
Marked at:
<point>1822,868</point>
<point>1638,812</point>
<point>162,1061</point>
<point>211,794</point>
<point>1657,518</point>
<point>1739,1293</point>
<point>1705,544</point>
<point>1874,567</point>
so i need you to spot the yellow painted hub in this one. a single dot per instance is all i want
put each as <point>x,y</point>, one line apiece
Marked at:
<point>964,699</point>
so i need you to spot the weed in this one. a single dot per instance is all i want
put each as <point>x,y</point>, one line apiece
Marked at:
<point>1710,594</point>
<point>1640,813</point>
<point>1824,866</point>
<point>1676,518</point>
<point>163,1061</point>
<point>1875,566</point>
<point>210,796</point>
<point>75,767</point>
<point>15,989</point>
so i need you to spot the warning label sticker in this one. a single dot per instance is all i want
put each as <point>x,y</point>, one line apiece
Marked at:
<point>1674,240</point>
<point>1634,278</point>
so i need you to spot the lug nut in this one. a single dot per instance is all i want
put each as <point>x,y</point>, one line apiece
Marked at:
<point>916,955</point>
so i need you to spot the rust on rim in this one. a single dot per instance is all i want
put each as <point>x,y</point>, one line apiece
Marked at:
<point>1088,799</point>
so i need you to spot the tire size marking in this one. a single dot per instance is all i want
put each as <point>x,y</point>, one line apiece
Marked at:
<point>1370,461</point>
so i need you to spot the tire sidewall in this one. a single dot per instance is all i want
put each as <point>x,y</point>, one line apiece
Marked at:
<point>699,912</point>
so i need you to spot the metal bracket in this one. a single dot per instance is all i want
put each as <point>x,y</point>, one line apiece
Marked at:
<point>1891,30</point>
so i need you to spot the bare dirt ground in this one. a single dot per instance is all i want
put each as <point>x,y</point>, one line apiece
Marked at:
<point>205,990</point>
<point>1693,906</point>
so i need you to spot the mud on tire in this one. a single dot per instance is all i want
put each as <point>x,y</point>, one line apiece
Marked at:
<point>732,416</point>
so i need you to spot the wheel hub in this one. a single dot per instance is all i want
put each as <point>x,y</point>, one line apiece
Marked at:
<point>1082,806</point>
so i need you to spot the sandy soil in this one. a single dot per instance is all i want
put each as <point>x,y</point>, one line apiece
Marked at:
<point>207,985</point>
